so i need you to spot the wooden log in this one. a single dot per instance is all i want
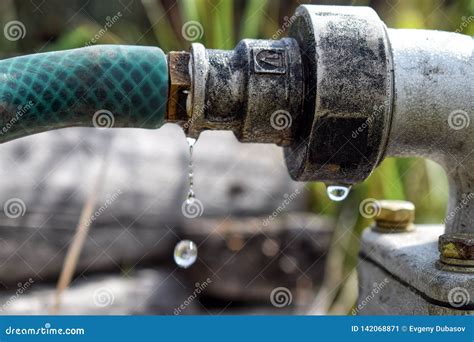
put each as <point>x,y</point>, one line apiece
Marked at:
<point>248,258</point>
<point>46,178</point>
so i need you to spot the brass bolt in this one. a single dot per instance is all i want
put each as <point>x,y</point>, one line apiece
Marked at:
<point>394,216</point>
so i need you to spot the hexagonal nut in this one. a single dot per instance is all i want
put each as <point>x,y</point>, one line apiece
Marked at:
<point>394,214</point>
<point>457,246</point>
<point>179,85</point>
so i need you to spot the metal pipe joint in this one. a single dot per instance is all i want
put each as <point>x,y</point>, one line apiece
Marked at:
<point>340,94</point>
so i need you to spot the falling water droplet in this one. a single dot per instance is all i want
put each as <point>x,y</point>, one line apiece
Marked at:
<point>191,195</point>
<point>338,192</point>
<point>185,253</point>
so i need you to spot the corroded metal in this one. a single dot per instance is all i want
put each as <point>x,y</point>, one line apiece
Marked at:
<point>348,94</point>
<point>457,249</point>
<point>180,83</point>
<point>255,90</point>
<point>433,111</point>
<point>342,93</point>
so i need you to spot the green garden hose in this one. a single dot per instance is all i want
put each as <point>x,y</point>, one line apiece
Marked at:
<point>101,86</point>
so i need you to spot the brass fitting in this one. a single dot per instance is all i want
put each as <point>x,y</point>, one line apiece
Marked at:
<point>394,216</point>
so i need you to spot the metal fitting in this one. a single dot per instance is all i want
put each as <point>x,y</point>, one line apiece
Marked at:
<point>255,90</point>
<point>394,216</point>
<point>457,250</point>
<point>180,83</point>
<point>340,94</point>
<point>348,94</point>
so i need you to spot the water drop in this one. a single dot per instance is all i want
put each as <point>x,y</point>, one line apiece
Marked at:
<point>338,192</point>
<point>185,253</point>
<point>191,195</point>
<point>191,142</point>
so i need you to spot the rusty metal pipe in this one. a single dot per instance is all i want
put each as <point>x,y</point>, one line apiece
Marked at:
<point>340,94</point>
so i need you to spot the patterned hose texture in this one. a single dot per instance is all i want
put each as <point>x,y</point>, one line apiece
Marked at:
<point>101,86</point>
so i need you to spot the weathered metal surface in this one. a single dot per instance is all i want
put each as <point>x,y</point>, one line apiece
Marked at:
<point>255,90</point>
<point>409,260</point>
<point>382,294</point>
<point>348,94</point>
<point>433,111</point>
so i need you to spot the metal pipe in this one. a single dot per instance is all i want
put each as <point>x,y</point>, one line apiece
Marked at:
<point>432,111</point>
<point>352,92</point>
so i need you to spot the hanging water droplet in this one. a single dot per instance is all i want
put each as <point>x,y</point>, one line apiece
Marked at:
<point>185,253</point>
<point>191,141</point>
<point>338,192</point>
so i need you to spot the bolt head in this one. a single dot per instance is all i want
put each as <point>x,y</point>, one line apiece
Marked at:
<point>394,215</point>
